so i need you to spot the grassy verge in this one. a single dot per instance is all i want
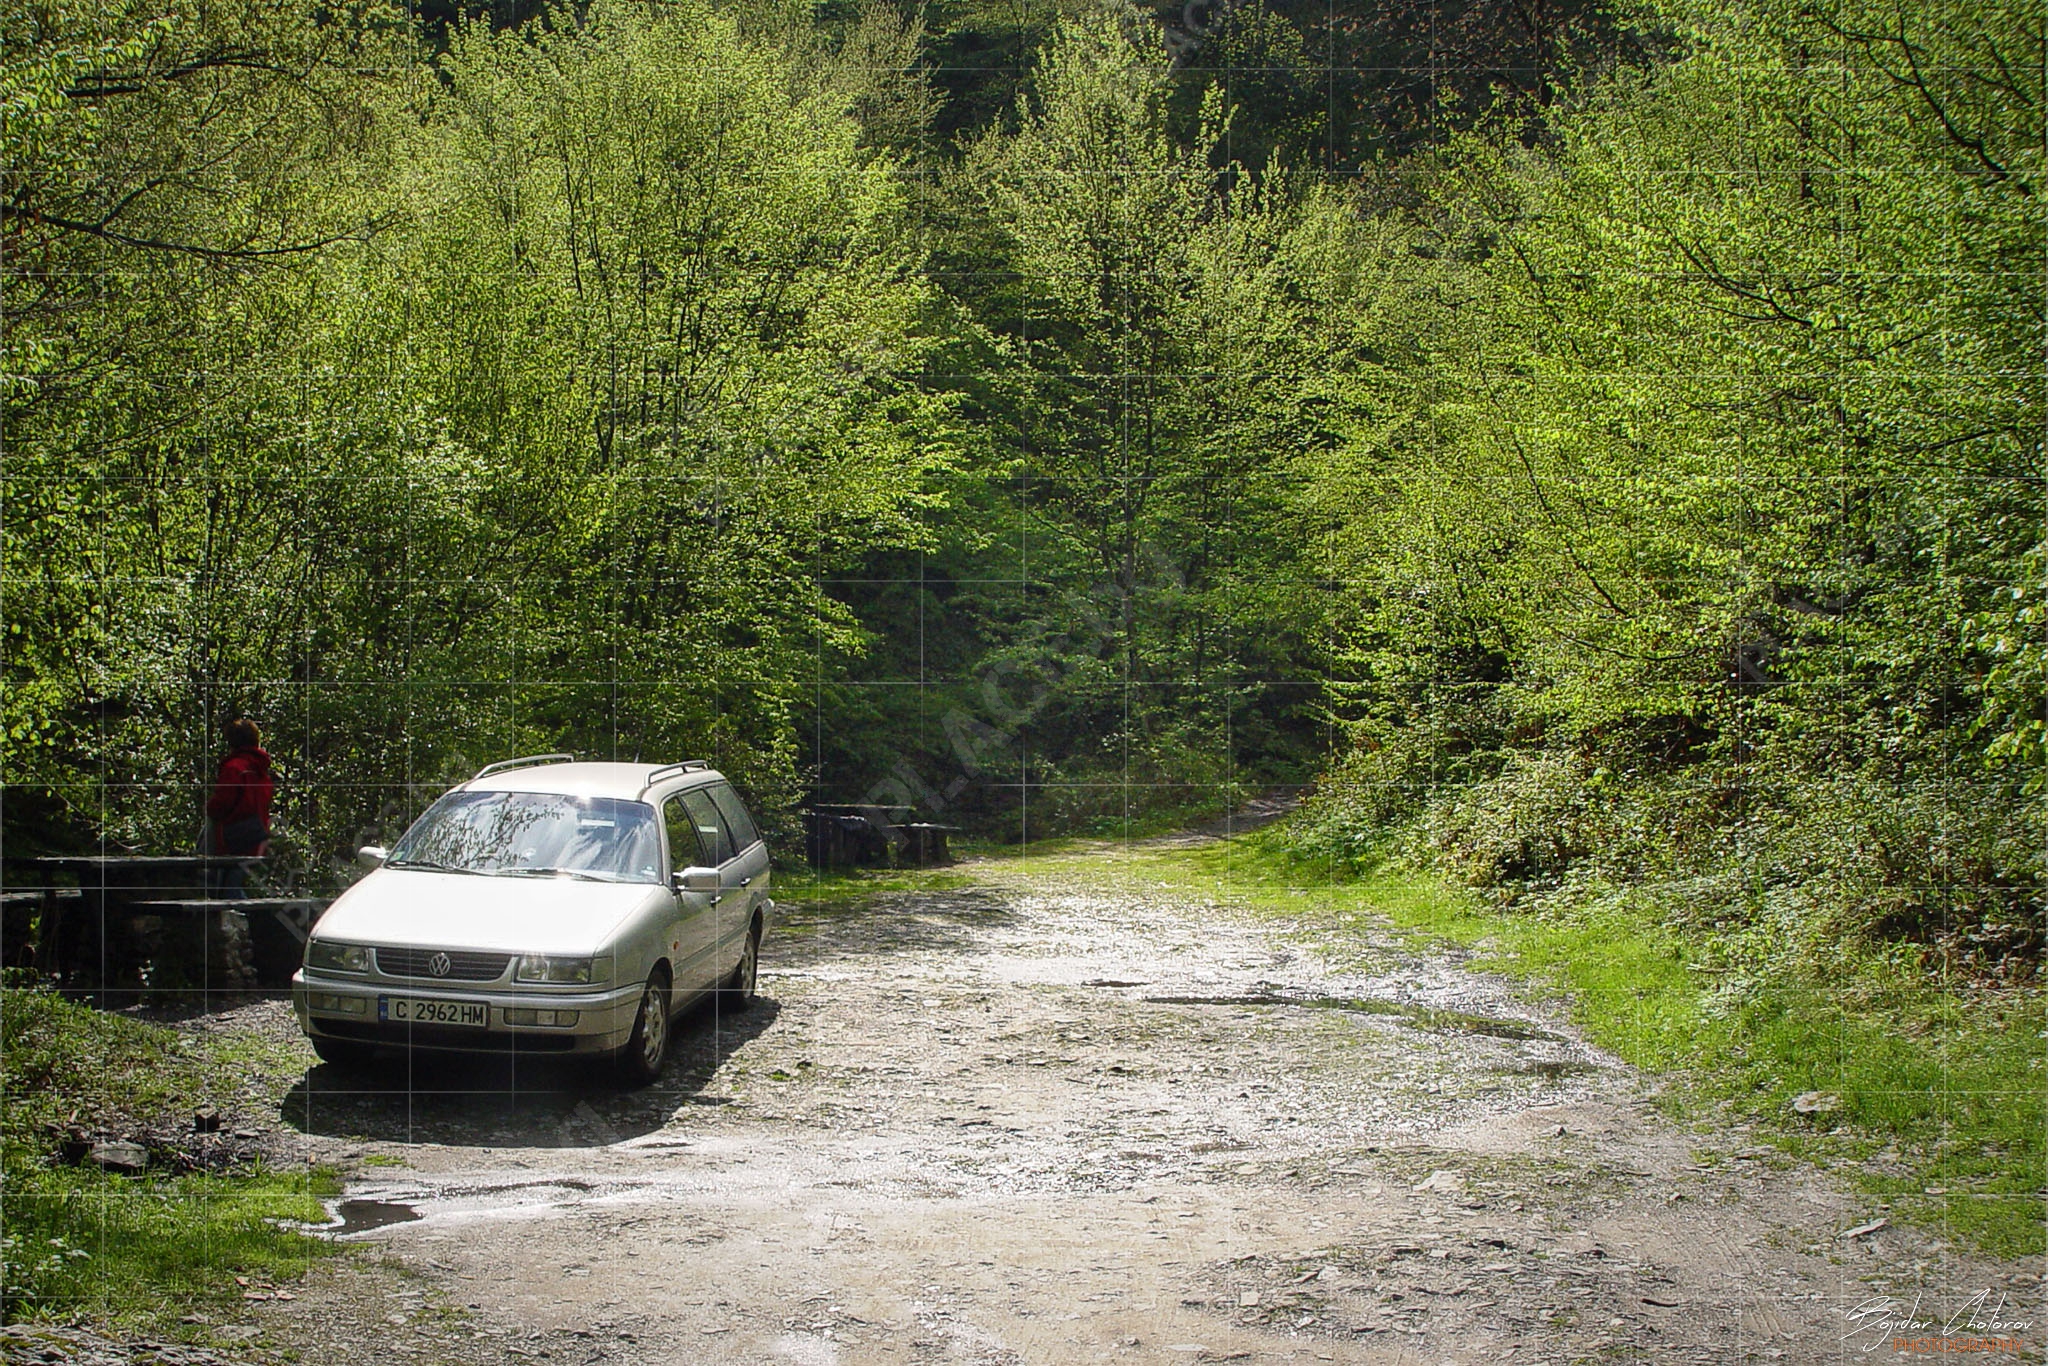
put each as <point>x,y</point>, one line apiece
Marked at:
<point>805,884</point>
<point>1932,1095</point>
<point>810,885</point>
<point>137,1253</point>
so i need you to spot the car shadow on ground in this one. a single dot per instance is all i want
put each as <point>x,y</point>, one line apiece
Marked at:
<point>519,1101</point>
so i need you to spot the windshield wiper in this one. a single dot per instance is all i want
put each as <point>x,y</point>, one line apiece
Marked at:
<point>426,863</point>
<point>586,874</point>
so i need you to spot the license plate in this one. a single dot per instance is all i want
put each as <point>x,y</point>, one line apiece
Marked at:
<point>418,1010</point>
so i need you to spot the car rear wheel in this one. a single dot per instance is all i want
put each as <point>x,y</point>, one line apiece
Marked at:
<point>738,991</point>
<point>640,1063</point>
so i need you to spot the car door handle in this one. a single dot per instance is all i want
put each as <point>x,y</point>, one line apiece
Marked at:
<point>746,882</point>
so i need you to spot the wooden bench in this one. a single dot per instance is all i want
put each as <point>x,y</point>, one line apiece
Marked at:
<point>925,846</point>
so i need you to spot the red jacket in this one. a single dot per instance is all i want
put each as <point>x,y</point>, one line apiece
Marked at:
<point>241,790</point>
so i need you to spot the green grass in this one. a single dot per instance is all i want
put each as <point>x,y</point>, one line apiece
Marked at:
<point>808,886</point>
<point>141,1254</point>
<point>803,884</point>
<point>137,1253</point>
<point>1941,1090</point>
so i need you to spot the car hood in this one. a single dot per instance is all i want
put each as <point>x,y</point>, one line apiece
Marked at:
<point>419,909</point>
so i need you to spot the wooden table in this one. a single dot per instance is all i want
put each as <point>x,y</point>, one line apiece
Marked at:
<point>101,938</point>
<point>837,835</point>
<point>842,836</point>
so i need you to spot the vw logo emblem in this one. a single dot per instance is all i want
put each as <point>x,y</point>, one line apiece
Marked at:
<point>439,965</point>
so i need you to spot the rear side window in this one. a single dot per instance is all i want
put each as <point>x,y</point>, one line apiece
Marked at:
<point>682,835</point>
<point>712,839</point>
<point>737,821</point>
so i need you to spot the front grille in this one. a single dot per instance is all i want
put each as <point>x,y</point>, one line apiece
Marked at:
<point>441,1036</point>
<point>462,967</point>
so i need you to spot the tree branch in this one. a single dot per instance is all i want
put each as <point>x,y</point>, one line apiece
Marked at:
<point>1914,79</point>
<point>359,233</point>
<point>101,85</point>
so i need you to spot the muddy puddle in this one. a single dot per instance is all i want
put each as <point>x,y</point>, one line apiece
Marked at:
<point>360,1216</point>
<point>372,1208</point>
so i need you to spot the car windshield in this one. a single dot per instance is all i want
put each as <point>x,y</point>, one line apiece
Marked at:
<point>534,834</point>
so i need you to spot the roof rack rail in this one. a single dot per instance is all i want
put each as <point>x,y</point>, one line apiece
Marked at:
<point>488,769</point>
<point>686,766</point>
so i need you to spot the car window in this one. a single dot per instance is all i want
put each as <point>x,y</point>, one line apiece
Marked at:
<point>533,834</point>
<point>682,836</point>
<point>736,818</point>
<point>712,840</point>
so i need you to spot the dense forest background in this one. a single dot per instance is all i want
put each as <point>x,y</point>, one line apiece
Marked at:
<point>1596,449</point>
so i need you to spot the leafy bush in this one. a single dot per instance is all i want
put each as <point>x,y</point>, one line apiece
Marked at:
<point>1953,875</point>
<point>1357,811</point>
<point>1526,825</point>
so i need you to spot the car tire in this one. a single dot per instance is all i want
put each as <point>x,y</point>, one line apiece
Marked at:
<point>737,992</point>
<point>343,1052</point>
<point>641,1060</point>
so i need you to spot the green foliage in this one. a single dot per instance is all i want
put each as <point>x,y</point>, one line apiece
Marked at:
<point>1057,421</point>
<point>980,55</point>
<point>668,300</point>
<point>2007,635</point>
<point>518,407</point>
<point>1147,339</point>
<point>1723,482</point>
<point>1644,495</point>
<point>1342,84</point>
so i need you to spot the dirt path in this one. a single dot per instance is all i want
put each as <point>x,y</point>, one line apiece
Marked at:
<point>1061,1118</point>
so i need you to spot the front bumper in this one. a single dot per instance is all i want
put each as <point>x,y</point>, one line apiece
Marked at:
<point>604,1019</point>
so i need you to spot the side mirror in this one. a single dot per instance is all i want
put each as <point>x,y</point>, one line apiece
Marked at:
<point>696,880</point>
<point>371,856</point>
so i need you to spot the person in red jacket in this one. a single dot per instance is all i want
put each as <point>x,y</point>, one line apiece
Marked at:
<point>238,809</point>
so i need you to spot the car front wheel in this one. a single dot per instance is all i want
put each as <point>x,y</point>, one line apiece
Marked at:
<point>647,1050</point>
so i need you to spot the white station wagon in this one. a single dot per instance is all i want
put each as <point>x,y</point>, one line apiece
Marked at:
<point>545,906</point>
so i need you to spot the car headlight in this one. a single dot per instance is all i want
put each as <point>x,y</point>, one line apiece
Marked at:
<point>548,967</point>
<point>327,956</point>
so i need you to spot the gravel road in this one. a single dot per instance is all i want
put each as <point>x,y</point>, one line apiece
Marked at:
<point>1063,1115</point>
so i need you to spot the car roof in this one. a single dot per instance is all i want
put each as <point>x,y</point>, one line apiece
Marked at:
<point>591,779</point>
